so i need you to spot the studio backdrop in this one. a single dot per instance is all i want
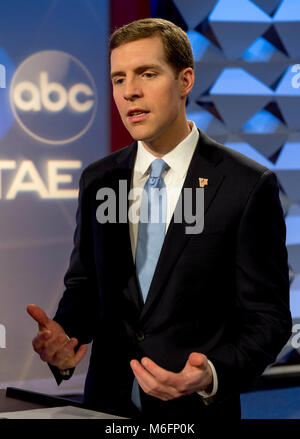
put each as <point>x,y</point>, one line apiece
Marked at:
<point>54,120</point>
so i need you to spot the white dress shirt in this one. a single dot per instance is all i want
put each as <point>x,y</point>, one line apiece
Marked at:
<point>178,161</point>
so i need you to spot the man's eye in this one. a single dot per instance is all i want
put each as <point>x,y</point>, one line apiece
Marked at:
<point>149,74</point>
<point>118,81</point>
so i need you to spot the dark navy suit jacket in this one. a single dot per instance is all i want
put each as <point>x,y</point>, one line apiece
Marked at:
<point>223,292</point>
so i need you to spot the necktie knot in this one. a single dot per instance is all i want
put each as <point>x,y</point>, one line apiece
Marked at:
<point>157,168</point>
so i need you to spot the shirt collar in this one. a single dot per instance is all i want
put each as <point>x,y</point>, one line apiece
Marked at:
<point>178,159</point>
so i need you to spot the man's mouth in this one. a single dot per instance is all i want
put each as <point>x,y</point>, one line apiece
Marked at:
<point>137,115</point>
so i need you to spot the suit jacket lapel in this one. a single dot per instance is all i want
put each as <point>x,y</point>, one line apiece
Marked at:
<point>203,164</point>
<point>123,172</point>
<point>124,165</point>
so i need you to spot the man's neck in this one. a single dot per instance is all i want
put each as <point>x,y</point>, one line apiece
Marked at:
<point>162,146</point>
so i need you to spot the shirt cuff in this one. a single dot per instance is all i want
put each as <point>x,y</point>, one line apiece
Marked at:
<point>215,383</point>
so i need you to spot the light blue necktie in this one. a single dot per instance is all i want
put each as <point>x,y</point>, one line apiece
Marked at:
<point>152,225</point>
<point>151,234</point>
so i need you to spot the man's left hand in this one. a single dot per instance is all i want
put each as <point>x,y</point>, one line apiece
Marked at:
<point>165,385</point>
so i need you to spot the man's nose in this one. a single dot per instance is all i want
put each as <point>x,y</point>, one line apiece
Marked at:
<point>132,90</point>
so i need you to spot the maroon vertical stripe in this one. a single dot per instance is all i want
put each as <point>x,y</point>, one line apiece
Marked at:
<point>123,12</point>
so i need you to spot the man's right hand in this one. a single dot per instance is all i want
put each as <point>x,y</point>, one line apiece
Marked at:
<point>52,343</point>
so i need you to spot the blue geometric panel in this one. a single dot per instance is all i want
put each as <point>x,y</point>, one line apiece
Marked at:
<point>287,23</point>
<point>237,27</point>
<point>209,74</point>
<point>295,298</point>
<point>265,61</point>
<point>267,144</point>
<point>261,50</point>
<point>235,143</point>
<point>288,86</point>
<point>187,9</point>
<point>288,98</point>
<point>264,122</point>
<point>290,183</point>
<point>209,61</point>
<point>226,11</point>
<point>288,11</point>
<point>266,133</point>
<point>199,44</point>
<point>269,6</point>
<point>206,121</point>
<point>241,89</point>
<point>290,155</point>
<point>293,251</point>
<point>235,81</point>
<point>293,229</point>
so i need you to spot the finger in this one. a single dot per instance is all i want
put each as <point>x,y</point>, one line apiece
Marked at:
<point>151,385</point>
<point>178,383</point>
<point>39,341</point>
<point>162,375</point>
<point>197,360</point>
<point>145,379</point>
<point>38,315</point>
<point>53,346</point>
<point>80,354</point>
<point>66,358</point>
<point>197,372</point>
<point>65,352</point>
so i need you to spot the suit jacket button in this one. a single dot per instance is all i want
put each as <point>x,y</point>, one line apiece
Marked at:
<point>140,335</point>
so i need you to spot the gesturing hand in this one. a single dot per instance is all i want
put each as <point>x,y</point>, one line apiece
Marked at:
<point>163,384</point>
<point>52,343</point>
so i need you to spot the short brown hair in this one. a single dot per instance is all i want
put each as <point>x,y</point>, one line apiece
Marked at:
<point>178,50</point>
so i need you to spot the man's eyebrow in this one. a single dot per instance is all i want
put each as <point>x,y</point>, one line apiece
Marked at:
<point>137,69</point>
<point>118,73</point>
<point>148,66</point>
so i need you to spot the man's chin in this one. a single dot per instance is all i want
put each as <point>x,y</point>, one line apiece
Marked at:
<point>140,137</point>
<point>138,134</point>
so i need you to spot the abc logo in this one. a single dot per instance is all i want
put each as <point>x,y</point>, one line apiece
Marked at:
<point>53,97</point>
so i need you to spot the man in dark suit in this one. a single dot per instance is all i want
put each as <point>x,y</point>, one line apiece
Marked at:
<point>216,309</point>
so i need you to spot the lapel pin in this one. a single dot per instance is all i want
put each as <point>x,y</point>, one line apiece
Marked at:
<point>203,182</point>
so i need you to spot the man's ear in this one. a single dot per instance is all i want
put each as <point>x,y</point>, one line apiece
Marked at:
<point>186,81</point>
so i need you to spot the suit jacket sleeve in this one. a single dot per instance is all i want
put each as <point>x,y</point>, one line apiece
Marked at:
<point>77,310</point>
<point>262,286</point>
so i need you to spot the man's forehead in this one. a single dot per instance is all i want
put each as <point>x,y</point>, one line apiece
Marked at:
<point>140,42</point>
<point>143,51</point>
